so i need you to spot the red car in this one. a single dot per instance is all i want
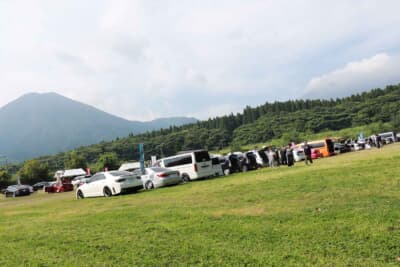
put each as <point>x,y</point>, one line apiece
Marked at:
<point>58,188</point>
<point>315,154</point>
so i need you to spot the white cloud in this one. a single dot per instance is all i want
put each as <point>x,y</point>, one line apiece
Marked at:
<point>142,59</point>
<point>217,110</point>
<point>377,71</point>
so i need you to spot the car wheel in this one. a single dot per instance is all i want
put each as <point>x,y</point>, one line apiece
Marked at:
<point>244,168</point>
<point>185,178</point>
<point>79,195</point>
<point>149,185</point>
<point>107,192</point>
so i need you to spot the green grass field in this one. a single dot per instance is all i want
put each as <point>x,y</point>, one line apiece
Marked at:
<point>342,211</point>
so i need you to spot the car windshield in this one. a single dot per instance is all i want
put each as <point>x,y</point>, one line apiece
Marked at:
<point>120,173</point>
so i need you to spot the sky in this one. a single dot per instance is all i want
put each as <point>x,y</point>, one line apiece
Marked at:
<point>142,60</point>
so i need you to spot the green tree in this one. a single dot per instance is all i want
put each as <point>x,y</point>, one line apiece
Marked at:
<point>75,161</point>
<point>5,178</point>
<point>34,171</point>
<point>108,160</point>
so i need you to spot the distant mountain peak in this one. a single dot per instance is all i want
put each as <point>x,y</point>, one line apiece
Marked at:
<point>38,124</point>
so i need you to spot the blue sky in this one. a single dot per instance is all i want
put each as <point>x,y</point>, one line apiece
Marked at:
<point>147,59</point>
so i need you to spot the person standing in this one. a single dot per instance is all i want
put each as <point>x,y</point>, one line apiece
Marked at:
<point>307,153</point>
<point>283,155</point>
<point>289,156</point>
<point>378,141</point>
<point>271,158</point>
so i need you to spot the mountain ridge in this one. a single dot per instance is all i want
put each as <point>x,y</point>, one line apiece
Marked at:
<point>37,124</point>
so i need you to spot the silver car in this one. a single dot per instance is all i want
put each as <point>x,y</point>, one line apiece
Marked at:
<point>155,177</point>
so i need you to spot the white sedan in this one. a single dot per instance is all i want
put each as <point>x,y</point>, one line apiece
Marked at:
<point>108,184</point>
<point>158,177</point>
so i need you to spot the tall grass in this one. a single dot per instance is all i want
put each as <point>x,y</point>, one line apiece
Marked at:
<point>341,211</point>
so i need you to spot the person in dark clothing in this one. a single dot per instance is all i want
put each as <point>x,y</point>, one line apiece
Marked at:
<point>289,156</point>
<point>283,156</point>
<point>307,153</point>
<point>378,141</point>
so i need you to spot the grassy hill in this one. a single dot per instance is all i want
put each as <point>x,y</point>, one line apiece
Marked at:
<point>279,122</point>
<point>341,211</point>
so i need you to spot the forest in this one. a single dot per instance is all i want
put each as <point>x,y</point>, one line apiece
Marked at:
<point>284,121</point>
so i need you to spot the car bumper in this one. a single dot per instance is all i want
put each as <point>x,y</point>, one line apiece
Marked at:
<point>167,182</point>
<point>129,186</point>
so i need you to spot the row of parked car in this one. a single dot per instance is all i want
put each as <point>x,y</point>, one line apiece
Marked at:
<point>24,190</point>
<point>184,167</point>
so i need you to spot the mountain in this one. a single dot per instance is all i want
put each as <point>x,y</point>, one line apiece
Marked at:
<point>40,124</point>
<point>275,123</point>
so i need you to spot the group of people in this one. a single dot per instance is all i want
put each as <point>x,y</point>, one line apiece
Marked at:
<point>284,155</point>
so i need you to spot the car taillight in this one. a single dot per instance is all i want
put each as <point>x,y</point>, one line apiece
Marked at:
<point>121,180</point>
<point>162,175</point>
<point>196,168</point>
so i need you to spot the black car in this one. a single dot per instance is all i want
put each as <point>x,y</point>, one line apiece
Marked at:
<point>40,185</point>
<point>223,161</point>
<point>231,164</point>
<point>341,148</point>
<point>18,190</point>
<point>250,162</point>
<point>242,162</point>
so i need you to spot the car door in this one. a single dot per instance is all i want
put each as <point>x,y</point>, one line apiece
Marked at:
<point>90,186</point>
<point>99,185</point>
<point>94,185</point>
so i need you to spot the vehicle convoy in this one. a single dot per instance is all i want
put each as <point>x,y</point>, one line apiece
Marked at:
<point>109,183</point>
<point>156,177</point>
<point>191,165</point>
<point>18,190</point>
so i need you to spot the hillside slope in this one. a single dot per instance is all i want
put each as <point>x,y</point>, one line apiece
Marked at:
<point>40,124</point>
<point>341,211</point>
<point>287,121</point>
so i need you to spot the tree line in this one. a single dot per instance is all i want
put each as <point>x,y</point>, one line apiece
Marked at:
<point>278,120</point>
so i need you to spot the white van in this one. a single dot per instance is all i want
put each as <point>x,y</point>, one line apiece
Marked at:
<point>191,165</point>
<point>388,137</point>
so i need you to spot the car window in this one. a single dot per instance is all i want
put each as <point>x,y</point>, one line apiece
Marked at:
<point>215,161</point>
<point>120,173</point>
<point>97,177</point>
<point>201,156</point>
